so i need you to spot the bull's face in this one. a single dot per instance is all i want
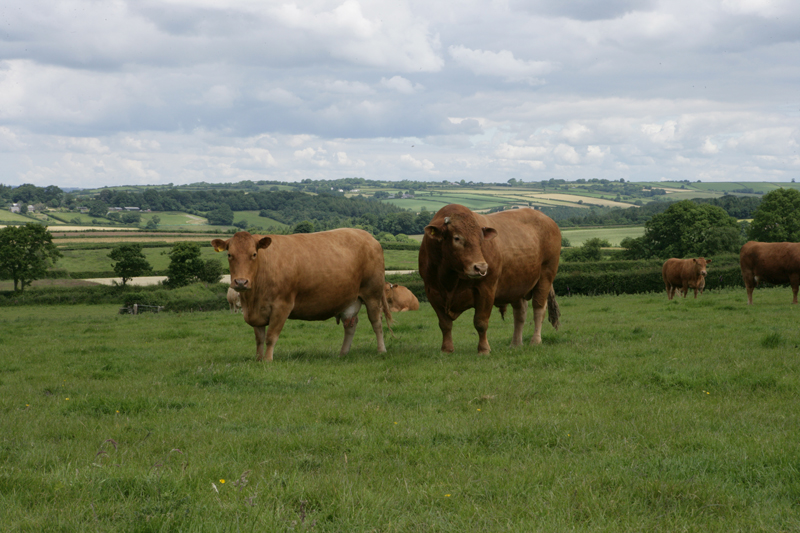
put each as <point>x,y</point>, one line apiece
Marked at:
<point>242,251</point>
<point>700,266</point>
<point>461,238</point>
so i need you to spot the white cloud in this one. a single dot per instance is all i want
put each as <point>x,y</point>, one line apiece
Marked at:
<point>502,64</point>
<point>401,85</point>
<point>415,164</point>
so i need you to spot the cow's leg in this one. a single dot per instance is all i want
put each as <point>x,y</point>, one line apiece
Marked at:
<point>669,290</point>
<point>261,337</point>
<point>276,321</point>
<point>538,320</point>
<point>483,310</point>
<point>520,314</point>
<point>349,332</point>
<point>374,315</point>
<point>794,280</point>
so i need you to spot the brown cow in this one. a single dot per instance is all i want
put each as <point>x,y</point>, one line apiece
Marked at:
<point>234,300</point>
<point>773,262</point>
<point>307,276</point>
<point>400,298</point>
<point>685,274</point>
<point>468,260</point>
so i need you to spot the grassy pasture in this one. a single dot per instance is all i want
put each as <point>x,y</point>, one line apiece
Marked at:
<point>578,236</point>
<point>253,219</point>
<point>98,260</point>
<point>638,415</point>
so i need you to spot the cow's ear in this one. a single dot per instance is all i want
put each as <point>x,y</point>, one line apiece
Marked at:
<point>220,245</point>
<point>489,233</point>
<point>708,261</point>
<point>264,242</point>
<point>434,232</point>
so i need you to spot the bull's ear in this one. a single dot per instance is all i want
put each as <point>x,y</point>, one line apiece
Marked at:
<point>220,245</point>
<point>489,233</point>
<point>264,242</point>
<point>434,232</point>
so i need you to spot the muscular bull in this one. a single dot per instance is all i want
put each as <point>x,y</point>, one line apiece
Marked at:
<point>684,274</point>
<point>400,298</point>
<point>468,260</point>
<point>311,276</point>
<point>773,262</point>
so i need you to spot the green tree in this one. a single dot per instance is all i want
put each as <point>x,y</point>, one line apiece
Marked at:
<point>211,272</point>
<point>185,264</point>
<point>25,253</point>
<point>689,229</point>
<point>130,262</point>
<point>131,218</point>
<point>221,216</point>
<point>777,218</point>
<point>304,227</point>
<point>97,208</point>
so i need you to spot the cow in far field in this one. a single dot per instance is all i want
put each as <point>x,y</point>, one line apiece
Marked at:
<point>307,276</point>
<point>773,262</point>
<point>469,260</point>
<point>400,298</point>
<point>234,300</point>
<point>683,274</point>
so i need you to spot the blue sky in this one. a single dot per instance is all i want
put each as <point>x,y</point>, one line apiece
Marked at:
<point>119,92</point>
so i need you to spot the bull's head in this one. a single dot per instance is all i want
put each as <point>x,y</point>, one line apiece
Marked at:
<point>242,251</point>
<point>700,267</point>
<point>461,238</point>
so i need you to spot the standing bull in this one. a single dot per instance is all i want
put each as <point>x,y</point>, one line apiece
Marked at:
<point>773,262</point>
<point>400,298</point>
<point>471,260</point>
<point>685,274</point>
<point>234,300</point>
<point>308,276</point>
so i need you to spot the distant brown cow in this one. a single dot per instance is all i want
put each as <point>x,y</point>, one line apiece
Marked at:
<point>234,300</point>
<point>773,262</point>
<point>307,276</point>
<point>400,298</point>
<point>468,260</point>
<point>684,274</point>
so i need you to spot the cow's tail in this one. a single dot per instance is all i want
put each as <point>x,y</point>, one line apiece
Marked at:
<point>387,313</point>
<point>553,312</point>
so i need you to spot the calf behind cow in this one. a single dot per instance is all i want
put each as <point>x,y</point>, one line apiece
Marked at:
<point>684,274</point>
<point>312,276</point>
<point>234,300</point>
<point>773,262</point>
<point>468,260</point>
<point>400,298</point>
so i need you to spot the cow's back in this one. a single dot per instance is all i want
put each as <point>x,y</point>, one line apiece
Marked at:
<point>773,262</point>
<point>527,247</point>
<point>673,271</point>
<point>321,272</point>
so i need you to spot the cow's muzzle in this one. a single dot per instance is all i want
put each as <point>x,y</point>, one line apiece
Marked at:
<point>240,284</point>
<point>479,270</point>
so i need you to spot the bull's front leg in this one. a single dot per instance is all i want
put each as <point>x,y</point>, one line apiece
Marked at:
<point>446,325</point>
<point>520,314</point>
<point>483,310</point>
<point>266,343</point>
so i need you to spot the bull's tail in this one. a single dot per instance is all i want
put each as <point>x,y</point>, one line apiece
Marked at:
<point>387,313</point>
<point>553,312</point>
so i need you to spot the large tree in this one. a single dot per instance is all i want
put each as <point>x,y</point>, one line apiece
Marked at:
<point>130,262</point>
<point>686,229</point>
<point>777,218</point>
<point>25,253</point>
<point>185,265</point>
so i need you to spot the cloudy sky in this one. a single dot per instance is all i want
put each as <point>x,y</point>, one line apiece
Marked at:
<point>111,92</point>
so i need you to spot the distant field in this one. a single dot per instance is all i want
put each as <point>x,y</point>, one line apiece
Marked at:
<point>614,235</point>
<point>174,218</point>
<point>98,260</point>
<point>254,219</point>
<point>8,216</point>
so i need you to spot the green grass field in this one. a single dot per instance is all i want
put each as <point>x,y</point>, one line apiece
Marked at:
<point>638,415</point>
<point>98,260</point>
<point>578,236</point>
<point>253,219</point>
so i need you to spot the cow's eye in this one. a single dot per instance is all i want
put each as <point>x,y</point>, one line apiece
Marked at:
<point>255,254</point>
<point>230,257</point>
